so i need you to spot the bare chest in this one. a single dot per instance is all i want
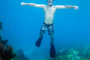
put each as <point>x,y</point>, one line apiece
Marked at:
<point>49,10</point>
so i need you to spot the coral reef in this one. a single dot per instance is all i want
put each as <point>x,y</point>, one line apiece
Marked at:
<point>68,55</point>
<point>6,51</point>
<point>1,26</point>
<point>4,42</point>
<point>20,55</point>
<point>74,54</point>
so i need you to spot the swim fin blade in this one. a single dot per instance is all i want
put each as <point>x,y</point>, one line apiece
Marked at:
<point>52,51</point>
<point>38,42</point>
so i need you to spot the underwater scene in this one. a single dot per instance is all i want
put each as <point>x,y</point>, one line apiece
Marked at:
<point>44,29</point>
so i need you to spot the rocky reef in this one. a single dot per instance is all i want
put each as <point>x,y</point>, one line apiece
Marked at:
<point>6,51</point>
<point>20,55</point>
<point>1,26</point>
<point>74,54</point>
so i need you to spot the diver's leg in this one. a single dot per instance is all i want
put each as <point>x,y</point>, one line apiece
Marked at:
<point>52,38</point>
<point>52,47</point>
<point>41,35</point>
<point>51,33</point>
<point>42,31</point>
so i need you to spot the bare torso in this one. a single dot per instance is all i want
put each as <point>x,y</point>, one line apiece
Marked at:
<point>49,10</point>
<point>49,14</point>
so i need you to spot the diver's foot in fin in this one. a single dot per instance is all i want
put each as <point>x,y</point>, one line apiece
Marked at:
<point>52,51</point>
<point>38,42</point>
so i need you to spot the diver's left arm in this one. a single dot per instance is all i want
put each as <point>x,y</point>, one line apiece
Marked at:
<point>66,7</point>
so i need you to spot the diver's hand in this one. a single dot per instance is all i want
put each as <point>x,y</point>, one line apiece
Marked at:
<point>22,3</point>
<point>75,7</point>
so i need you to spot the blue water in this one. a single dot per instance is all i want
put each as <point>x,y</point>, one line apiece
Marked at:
<point>22,25</point>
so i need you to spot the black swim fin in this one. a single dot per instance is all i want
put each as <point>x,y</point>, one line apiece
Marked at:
<point>52,51</point>
<point>38,42</point>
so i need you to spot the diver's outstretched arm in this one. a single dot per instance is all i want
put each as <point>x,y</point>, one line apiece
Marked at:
<point>33,4</point>
<point>66,7</point>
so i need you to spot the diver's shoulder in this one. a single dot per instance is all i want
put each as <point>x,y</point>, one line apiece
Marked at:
<point>54,6</point>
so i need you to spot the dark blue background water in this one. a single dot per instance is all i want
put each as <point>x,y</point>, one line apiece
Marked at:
<point>22,24</point>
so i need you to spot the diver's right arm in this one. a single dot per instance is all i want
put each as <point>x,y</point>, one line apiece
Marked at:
<point>33,4</point>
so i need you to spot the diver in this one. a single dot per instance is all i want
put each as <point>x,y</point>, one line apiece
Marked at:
<point>1,26</point>
<point>48,23</point>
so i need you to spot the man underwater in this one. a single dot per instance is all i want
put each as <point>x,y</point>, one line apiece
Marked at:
<point>48,23</point>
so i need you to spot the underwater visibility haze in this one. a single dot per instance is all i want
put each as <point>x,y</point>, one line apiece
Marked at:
<point>21,26</point>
